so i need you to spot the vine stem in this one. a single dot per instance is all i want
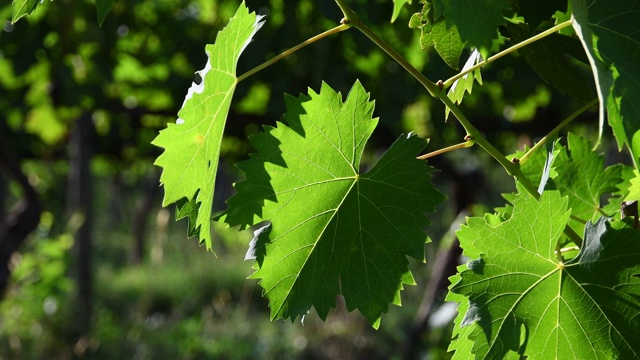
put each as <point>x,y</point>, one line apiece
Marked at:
<point>512,168</point>
<point>337,29</point>
<point>553,132</point>
<point>502,53</point>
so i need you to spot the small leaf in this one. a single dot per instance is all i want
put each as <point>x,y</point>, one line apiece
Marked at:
<point>445,39</point>
<point>465,84</point>
<point>103,7</point>
<point>525,300</point>
<point>192,144</point>
<point>22,8</point>
<point>397,6</point>
<point>333,230</point>
<point>609,34</point>
<point>634,187</point>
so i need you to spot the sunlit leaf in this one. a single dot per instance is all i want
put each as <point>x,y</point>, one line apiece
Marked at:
<point>192,144</point>
<point>523,299</point>
<point>397,6</point>
<point>333,230</point>
<point>22,8</point>
<point>465,84</point>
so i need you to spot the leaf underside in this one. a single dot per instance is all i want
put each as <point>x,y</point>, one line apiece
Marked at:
<point>523,301</point>
<point>609,34</point>
<point>192,144</point>
<point>334,231</point>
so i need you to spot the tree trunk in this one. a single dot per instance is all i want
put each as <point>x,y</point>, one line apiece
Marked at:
<point>79,204</point>
<point>141,216</point>
<point>23,218</point>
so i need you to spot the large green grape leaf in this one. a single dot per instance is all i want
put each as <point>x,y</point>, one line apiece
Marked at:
<point>609,33</point>
<point>333,230</point>
<point>523,299</point>
<point>476,21</point>
<point>192,144</point>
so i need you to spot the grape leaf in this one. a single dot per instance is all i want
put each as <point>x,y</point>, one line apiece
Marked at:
<point>609,34</point>
<point>445,39</point>
<point>333,230</point>
<point>103,7</point>
<point>397,6</point>
<point>548,57</point>
<point>465,84</point>
<point>634,187</point>
<point>192,144</point>
<point>581,176</point>
<point>476,21</point>
<point>522,299</point>
<point>535,12</point>
<point>22,8</point>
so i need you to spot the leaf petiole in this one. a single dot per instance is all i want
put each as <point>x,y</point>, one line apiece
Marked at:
<point>337,29</point>
<point>464,145</point>
<point>502,53</point>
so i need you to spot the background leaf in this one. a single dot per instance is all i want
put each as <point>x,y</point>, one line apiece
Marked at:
<point>522,299</point>
<point>549,58</point>
<point>103,7</point>
<point>397,6</point>
<point>192,144</point>
<point>608,31</point>
<point>334,231</point>
<point>445,39</point>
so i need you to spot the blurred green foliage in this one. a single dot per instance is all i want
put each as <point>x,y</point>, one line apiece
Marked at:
<point>130,76</point>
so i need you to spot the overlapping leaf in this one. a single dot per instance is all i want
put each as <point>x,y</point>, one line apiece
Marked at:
<point>522,299</point>
<point>609,33</point>
<point>476,21</point>
<point>435,32</point>
<point>333,230</point>
<point>549,58</point>
<point>582,176</point>
<point>192,144</point>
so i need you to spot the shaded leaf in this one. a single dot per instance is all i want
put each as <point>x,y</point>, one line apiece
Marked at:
<point>609,33</point>
<point>192,144</point>
<point>333,230</point>
<point>535,12</point>
<point>548,57</point>
<point>103,7</point>
<point>476,21</point>
<point>522,299</point>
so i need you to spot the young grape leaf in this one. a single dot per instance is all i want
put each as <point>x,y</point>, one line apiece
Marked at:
<point>522,299</point>
<point>192,144</point>
<point>476,21</point>
<point>582,177</point>
<point>465,84</point>
<point>634,187</point>
<point>609,34</point>
<point>333,230</point>
<point>22,8</point>
<point>397,6</point>
<point>103,7</point>
<point>445,40</point>
<point>549,58</point>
